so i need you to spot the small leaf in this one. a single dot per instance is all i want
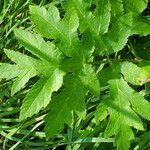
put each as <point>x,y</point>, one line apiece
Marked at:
<point>140,105</point>
<point>47,19</point>
<point>123,138</point>
<point>135,6</point>
<point>9,71</point>
<point>86,46</point>
<point>138,22</point>
<point>89,80</point>
<point>108,73</point>
<point>21,59</point>
<point>27,65</point>
<point>117,36</point>
<point>117,8</point>
<point>102,16</point>
<point>21,80</point>
<point>101,112</point>
<point>127,69</point>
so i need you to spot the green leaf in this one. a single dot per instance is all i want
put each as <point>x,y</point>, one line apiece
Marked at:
<point>97,22</point>
<point>138,22</point>
<point>102,15</point>
<point>117,8</point>
<point>22,59</point>
<point>47,19</point>
<point>40,94</point>
<point>122,117</point>
<point>101,111</point>
<point>140,105</point>
<point>145,65</point>
<point>63,31</point>
<point>28,66</point>
<point>22,79</point>
<point>125,134</point>
<point>117,36</point>
<point>86,47</point>
<point>9,71</point>
<point>93,20</point>
<point>108,73</point>
<point>127,69</point>
<point>85,51</point>
<point>135,6</point>
<point>82,9</point>
<point>35,44</point>
<point>61,108</point>
<point>27,63</point>
<point>89,80</point>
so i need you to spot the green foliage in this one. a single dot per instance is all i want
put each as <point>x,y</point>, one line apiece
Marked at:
<point>77,53</point>
<point>121,114</point>
<point>69,100</point>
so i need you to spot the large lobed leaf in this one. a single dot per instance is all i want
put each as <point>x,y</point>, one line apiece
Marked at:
<point>122,115</point>
<point>75,38</point>
<point>62,30</point>
<point>46,66</point>
<point>124,22</point>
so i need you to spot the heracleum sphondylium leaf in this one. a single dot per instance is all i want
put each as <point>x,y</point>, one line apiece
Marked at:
<point>134,6</point>
<point>40,94</point>
<point>9,71</point>
<point>123,25</point>
<point>26,62</point>
<point>117,36</point>
<point>116,8</point>
<point>70,99</point>
<point>122,117</point>
<point>101,112</point>
<point>28,66</point>
<point>85,49</point>
<point>69,42</point>
<point>93,21</point>
<point>46,66</point>
<point>35,44</point>
<point>89,79</point>
<point>62,30</point>
<point>97,22</point>
<point>127,69</point>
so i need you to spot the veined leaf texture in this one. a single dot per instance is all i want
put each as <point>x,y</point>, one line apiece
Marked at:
<point>64,53</point>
